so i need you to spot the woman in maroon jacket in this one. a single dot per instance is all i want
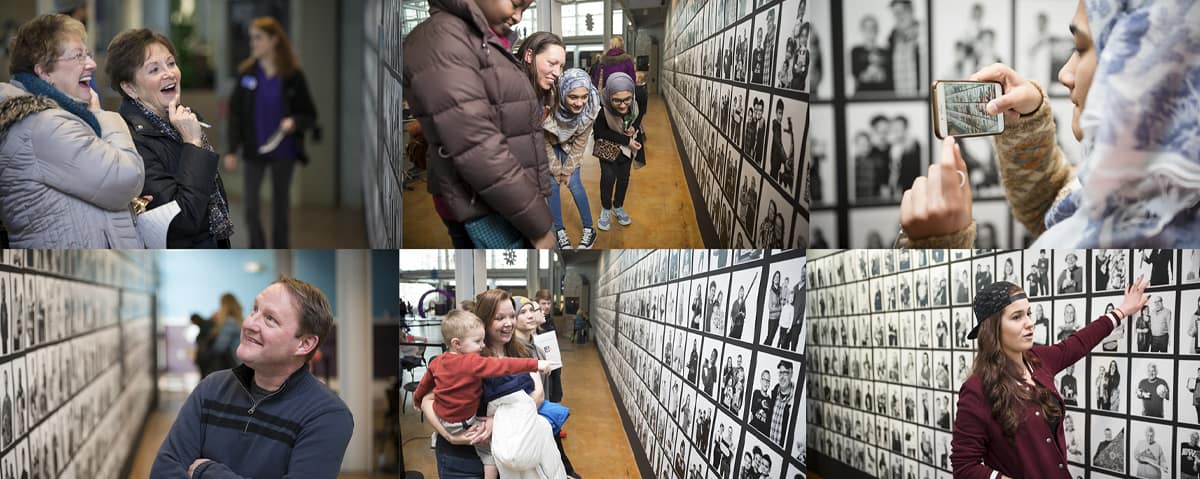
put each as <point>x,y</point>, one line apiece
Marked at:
<point>1009,422</point>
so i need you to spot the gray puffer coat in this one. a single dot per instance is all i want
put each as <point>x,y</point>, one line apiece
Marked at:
<point>481,117</point>
<point>61,186</point>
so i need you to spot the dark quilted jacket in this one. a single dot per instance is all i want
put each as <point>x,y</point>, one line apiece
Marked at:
<point>480,116</point>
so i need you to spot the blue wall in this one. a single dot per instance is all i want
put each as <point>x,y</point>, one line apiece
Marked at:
<point>318,267</point>
<point>385,284</point>
<point>193,281</point>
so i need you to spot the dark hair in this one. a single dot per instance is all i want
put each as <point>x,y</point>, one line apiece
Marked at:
<point>878,119</point>
<point>316,316</point>
<point>127,53</point>
<point>1003,383</point>
<point>536,44</point>
<point>902,119</point>
<point>286,61</point>
<point>37,42</point>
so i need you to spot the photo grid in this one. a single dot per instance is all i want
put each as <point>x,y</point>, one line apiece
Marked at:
<point>76,361</point>
<point>383,118</point>
<point>887,340</point>
<point>735,76</point>
<point>872,132</point>
<point>706,352</point>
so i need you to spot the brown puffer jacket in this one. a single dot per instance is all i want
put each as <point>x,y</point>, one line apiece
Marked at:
<point>481,119</point>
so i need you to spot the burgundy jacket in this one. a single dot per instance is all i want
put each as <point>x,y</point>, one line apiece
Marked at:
<point>979,446</point>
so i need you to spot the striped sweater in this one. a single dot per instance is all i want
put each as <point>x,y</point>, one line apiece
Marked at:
<point>300,430</point>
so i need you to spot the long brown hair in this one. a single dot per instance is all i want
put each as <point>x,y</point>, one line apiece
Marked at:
<point>486,306</point>
<point>1003,381</point>
<point>286,62</point>
<point>538,43</point>
<point>230,308</point>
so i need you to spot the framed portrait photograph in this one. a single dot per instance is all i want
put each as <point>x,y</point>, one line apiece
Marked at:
<point>885,49</point>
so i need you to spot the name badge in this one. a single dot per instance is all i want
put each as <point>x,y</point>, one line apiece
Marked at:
<point>249,82</point>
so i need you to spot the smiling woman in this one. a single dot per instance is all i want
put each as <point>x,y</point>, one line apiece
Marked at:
<point>1013,379</point>
<point>181,165</point>
<point>70,169</point>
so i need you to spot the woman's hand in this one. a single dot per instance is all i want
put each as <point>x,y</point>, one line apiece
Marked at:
<point>1135,297</point>
<point>182,118</point>
<point>231,161</point>
<point>481,432</point>
<point>1020,96</point>
<point>545,242</point>
<point>634,144</point>
<point>288,125</point>
<point>940,203</point>
<point>562,179</point>
<point>94,103</point>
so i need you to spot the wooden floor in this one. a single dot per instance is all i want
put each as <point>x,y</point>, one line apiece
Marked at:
<point>596,442</point>
<point>658,200</point>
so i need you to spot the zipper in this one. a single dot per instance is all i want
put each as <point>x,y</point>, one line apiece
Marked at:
<point>256,403</point>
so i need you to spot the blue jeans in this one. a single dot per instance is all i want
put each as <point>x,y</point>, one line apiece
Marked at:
<point>575,184</point>
<point>450,466</point>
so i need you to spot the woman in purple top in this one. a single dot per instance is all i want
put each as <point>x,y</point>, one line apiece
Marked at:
<point>269,112</point>
<point>615,61</point>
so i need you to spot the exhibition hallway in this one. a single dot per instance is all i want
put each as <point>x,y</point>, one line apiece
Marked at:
<point>596,441</point>
<point>658,200</point>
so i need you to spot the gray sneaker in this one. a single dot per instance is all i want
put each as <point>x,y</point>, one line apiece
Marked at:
<point>588,238</point>
<point>604,219</point>
<point>563,241</point>
<point>622,216</point>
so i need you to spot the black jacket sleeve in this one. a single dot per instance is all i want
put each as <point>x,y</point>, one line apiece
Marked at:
<point>602,131</point>
<point>237,114</point>
<point>192,186</point>
<point>300,103</point>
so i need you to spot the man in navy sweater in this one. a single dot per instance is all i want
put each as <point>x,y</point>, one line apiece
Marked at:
<point>268,417</point>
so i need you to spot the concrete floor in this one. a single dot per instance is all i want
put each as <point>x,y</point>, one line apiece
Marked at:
<point>658,200</point>
<point>312,227</point>
<point>596,442</point>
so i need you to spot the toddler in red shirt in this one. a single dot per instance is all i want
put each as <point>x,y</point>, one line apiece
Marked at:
<point>456,378</point>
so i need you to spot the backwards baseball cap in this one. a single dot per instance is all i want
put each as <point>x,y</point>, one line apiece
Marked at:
<point>520,302</point>
<point>990,300</point>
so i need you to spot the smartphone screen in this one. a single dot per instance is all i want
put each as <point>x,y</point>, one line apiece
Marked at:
<point>959,108</point>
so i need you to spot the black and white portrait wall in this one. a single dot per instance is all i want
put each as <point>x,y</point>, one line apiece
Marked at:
<point>705,349</point>
<point>882,400</point>
<point>736,80</point>
<point>872,133</point>
<point>76,361</point>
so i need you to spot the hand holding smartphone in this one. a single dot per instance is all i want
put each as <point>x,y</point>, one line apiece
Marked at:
<point>959,108</point>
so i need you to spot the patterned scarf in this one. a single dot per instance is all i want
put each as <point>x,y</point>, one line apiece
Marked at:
<point>219,225</point>
<point>37,86</point>
<point>568,122</point>
<point>1141,140</point>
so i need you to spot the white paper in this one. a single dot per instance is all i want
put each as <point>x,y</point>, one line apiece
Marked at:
<point>153,224</point>
<point>548,343</point>
<point>272,142</point>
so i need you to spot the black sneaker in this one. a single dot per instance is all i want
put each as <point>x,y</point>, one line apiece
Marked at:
<point>563,241</point>
<point>588,238</point>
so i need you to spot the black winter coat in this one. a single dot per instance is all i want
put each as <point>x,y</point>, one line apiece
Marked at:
<point>176,172</point>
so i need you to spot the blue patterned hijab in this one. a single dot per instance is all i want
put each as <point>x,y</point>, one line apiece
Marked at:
<point>570,123</point>
<point>1141,131</point>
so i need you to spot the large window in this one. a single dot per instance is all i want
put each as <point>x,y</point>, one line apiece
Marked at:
<point>618,25</point>
<point>415,11</point>
<point>583,19</point>
<point>507,259</point>
<point>527,26</point>
<point>426,260</point>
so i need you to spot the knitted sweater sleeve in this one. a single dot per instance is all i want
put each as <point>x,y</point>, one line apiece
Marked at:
<point>1032,167</point>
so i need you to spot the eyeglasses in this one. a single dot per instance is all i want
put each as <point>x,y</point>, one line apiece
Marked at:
<point>625,101</point>
<point>80,58</point>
